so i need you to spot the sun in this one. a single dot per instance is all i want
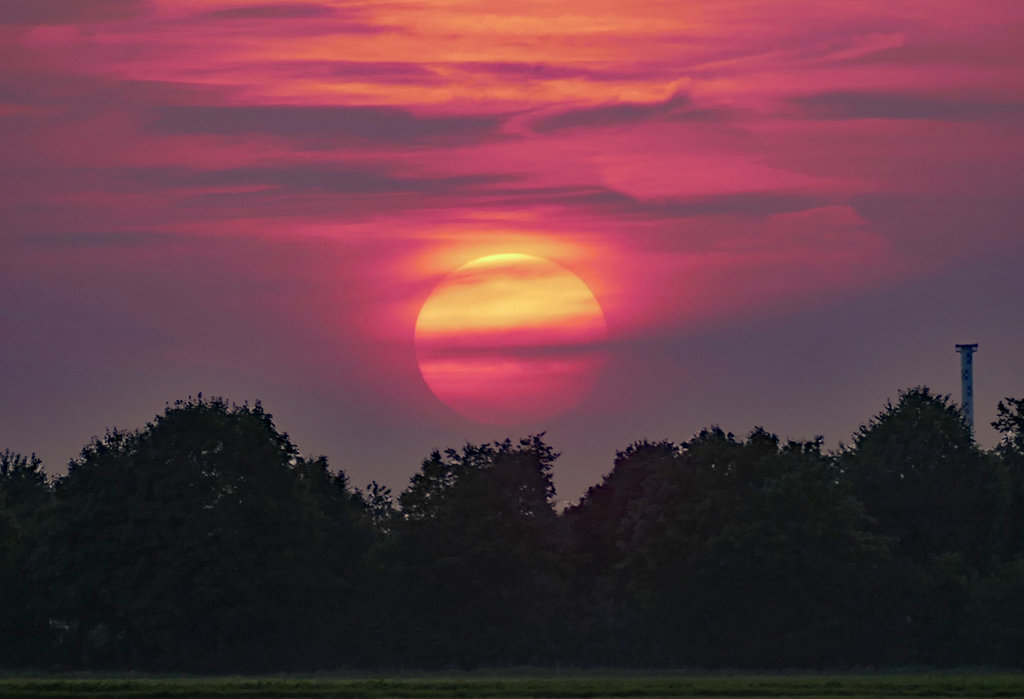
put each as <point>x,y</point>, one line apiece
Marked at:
<point>510,339</point>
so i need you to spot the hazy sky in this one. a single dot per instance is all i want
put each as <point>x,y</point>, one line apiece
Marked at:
<point>788,210</point>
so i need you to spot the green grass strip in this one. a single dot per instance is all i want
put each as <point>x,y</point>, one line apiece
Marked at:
<point>916,685</point>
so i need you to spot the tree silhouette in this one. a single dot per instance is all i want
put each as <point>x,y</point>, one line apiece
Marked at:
<point>928,487</point>
<point>24,502</point>
<point>923,480</point>
<point>606,628</point>
<point>476,558</point>
<point>1009,423</point>
<point>206,542</point>
<point>752,552</point>
<point>995,612</point>
<point>202,542</point>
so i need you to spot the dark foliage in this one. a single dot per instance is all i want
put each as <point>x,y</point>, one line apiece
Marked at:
<point>1010,453</point>
<point>923,479</point>
<point>206,542</point>
<point>942,502</point>
<point>758,551</point>
<point>475,560</point>
<point>25,496</point>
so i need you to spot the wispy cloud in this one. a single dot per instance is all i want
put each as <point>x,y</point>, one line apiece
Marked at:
<point>614,204</point>
<point>52,12</point>
<point>343,124</point>
<point>527,70</point>
<point>97,239</point>
<point>308,18</point>
<point>870,104</point>
<point>387,72</point>
<point>324,179</point>
<point>295,10</point>
<point>677,107</point>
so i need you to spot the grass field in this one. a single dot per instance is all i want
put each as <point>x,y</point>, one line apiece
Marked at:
<point>546,685</point>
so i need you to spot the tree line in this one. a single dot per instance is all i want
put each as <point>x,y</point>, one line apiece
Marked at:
<point>206,542</point>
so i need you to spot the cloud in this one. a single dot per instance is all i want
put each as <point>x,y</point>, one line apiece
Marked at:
<point>34,12</point>
<point>76,95</point>
<point>348,20</point>
<point>901,105</point>
<point>611,202</point>
<point>677,107</point>
<point>359,71</point>
<point>939,227</point>
<point>542,71</point>
<point>381,125</point>
<point>940,54</point>
<point>257,181</point>
<point>297,10</point>
<point>96,239</point>
<point>305,178</point>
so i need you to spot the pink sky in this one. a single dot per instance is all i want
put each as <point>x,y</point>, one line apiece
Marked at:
<point>788,210</point>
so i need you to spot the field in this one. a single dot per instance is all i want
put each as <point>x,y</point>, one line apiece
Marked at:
<point>539,685</point>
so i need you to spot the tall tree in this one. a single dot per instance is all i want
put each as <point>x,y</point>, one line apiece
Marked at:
<point>1009,423</point>
<point>753,552</point>
<point>203,542</point>
<point>25,495</point>
<point>477,557</point>
<point>606,629</point>
<point>927,486</point>
<point>924,481</point>
<point>995,615</point>
<point>597,522</point>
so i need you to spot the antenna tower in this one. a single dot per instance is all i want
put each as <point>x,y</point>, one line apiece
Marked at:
<point>967,381</point>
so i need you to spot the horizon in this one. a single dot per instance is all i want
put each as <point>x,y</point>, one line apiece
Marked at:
<point>559,501</point>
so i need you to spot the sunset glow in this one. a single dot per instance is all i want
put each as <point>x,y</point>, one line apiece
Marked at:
<point>269,199</point>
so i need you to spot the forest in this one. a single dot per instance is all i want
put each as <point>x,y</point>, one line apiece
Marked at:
<point>206,542</point>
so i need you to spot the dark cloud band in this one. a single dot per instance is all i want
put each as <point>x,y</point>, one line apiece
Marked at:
<point>384,125</point>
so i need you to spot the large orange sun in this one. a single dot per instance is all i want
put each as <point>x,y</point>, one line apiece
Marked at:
<point>509,339</point>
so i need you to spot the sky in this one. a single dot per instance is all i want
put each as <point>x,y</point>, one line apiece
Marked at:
<point>787,211</point>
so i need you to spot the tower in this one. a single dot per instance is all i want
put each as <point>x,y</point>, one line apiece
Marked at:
<point>967,381</point>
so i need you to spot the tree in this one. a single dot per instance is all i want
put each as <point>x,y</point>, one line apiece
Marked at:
<point>476,557</point>
<point>204,542</point>
<point>381,505</point>
<point>606,630</point>
<point>1010,452</point>
<point>1009,423</point>
<point>753,553</point>
<point>995,612</point>
<point>597,520</point>
<point>25,495</point>
<point>23,482</point>
<point>922,478</point>
<point>927,486</point>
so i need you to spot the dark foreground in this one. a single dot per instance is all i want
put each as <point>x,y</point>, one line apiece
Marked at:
<point>909,685</point>
<point>204,544</point>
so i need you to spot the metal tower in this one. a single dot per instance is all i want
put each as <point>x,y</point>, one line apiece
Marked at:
<point>967,381</point>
